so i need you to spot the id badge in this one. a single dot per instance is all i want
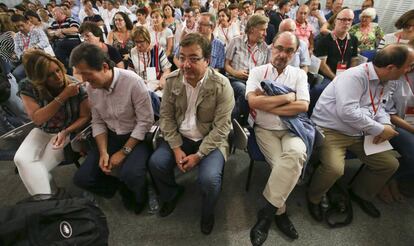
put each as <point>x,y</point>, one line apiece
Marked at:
<point>252,117</point>
<point>151,73</point>
<point>409,115</point>
<point>340,68</point>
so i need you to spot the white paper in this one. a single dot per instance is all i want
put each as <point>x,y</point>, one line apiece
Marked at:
<point>315,64</point>
<point>371,148</point>
<point>151,73</point>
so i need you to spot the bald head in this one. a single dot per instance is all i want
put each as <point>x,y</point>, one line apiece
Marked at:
<point>287,25</point>
<point>394,60</point>
<point>286,35</point>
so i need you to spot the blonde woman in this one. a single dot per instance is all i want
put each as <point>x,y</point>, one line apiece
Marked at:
<point>57,104</point>
<point>145,58</point>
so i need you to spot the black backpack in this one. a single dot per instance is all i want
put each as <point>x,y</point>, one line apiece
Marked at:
<point>53,221</point>
<point>338,212</point>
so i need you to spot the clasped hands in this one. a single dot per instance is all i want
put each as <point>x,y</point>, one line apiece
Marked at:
<point>185,162</point>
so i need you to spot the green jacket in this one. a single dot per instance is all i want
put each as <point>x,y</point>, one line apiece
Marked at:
<point>214,104</point>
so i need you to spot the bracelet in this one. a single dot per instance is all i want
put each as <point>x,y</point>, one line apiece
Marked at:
<point>57,99</point>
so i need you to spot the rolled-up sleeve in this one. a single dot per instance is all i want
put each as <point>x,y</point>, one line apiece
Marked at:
<point>143,111</point>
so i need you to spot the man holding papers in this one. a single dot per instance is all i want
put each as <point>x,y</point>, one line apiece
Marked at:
<point>349,109</point>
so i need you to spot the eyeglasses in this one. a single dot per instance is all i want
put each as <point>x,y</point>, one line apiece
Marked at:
<point>345,19</point>
<point>288,51</point>
<point>120,20</point>
<point>204,24</point>
<point>139,41</point>
<point>191,59</point>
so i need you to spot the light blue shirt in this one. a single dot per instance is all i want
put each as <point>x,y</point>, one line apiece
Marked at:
<point>345,104</point>
<point>400,95</point>
<point>301,57</point>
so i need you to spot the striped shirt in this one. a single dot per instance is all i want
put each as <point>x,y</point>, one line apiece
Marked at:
<point>7,46</point>
<point>243,57</point>
<point>36,38</point>
<point>67,23</point>
<point>139,61</point>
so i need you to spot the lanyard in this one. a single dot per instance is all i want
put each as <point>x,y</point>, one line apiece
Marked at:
<point>225,34</point>
<point>252,54</point>
<point>26,42</point>
<point>398,38</point>
<point>410,83</point>
<point>375,109</point>
<point>156,38</point>
<point>265,75</point>
<point>339,48</point>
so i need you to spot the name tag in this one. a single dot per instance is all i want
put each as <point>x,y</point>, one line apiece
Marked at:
<point>252,117</point>
<point>340,68</point>
<point>151,73</point>
<point>409,115</point>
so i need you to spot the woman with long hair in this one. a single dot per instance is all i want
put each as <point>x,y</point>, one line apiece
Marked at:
<point>120,36</point>
<point>58,106</point>
<point>169,19</point>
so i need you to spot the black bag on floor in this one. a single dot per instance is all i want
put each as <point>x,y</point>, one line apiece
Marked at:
<point>53,221</point>
<point>339,212</point>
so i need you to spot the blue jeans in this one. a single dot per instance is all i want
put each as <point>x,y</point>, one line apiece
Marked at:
<point>162,164</point>
<point>132,171</point>
<point>241,108</point>
<point>404,144</point>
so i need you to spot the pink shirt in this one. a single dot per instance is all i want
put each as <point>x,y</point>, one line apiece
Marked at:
<point>303,32</point>
<point>124,108</point>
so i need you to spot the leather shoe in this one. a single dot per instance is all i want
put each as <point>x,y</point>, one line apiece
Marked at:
<point>366,206</point>
<point>168,207</point>
<point>207,224</point>
<point>285,225</point>
<point>258,234</point>
<point>128,199</point>
<point>315,211</point>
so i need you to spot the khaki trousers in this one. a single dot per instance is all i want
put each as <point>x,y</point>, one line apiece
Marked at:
<point>285,153</point>
<point>378,169</point>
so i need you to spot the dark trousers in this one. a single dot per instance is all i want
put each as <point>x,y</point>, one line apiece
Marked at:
<point>210,170</point>
<point>132,172</point>
<point>315,93</point>
<point>241,108</point>
<point>63,48</point>
<point>404,144</point>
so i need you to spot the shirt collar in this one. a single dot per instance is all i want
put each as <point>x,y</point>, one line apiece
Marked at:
<point>373,76</point>
<point>114,80</point>
<point>334,37</point>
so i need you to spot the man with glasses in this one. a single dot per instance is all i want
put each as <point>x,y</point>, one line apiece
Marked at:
<point>206,25</point>
<point>243,54</point>
<point>285,152</point>
<point>338,51</point>
<point>195,122</point>
<point>190,25</point>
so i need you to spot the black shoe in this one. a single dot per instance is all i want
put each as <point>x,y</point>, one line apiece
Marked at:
<point>129,201</point>
<point>366,206</point>
<point>258,234</point>
<point>315,211</point>
<point>207,224</point>
<point>285,225</point>
<point>168,207</point>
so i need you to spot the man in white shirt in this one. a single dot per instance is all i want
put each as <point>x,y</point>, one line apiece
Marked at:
<point>285,152</point>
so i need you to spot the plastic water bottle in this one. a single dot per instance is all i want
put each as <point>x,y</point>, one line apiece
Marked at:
<point>153,203</point>
<point>324,205</point>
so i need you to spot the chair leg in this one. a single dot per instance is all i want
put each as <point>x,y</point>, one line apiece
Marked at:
<point>356,174</point>
<point>77,163</point>
<point>249,174</point>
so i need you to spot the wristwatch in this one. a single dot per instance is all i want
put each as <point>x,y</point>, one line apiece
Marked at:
<point>200,155</point>
<point>126,150</point>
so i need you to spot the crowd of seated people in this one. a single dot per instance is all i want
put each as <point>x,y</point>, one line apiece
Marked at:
<point>196,66</point>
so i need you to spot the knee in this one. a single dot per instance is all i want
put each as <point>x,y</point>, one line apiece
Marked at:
<point>20,159</point>
<point>210,181</point>
<point>335,171</point>
<point>393,164</point>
